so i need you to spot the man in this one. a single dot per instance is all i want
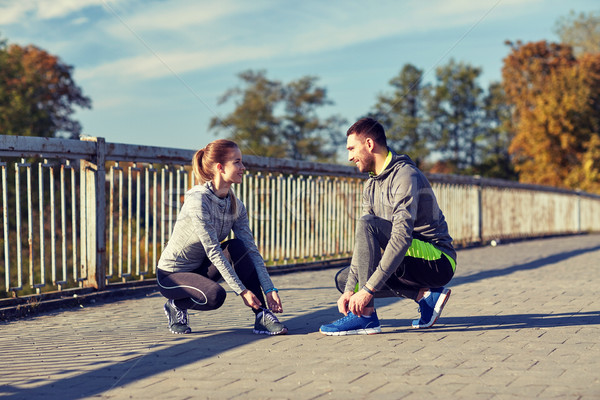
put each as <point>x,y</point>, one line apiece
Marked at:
<point>402,245</point>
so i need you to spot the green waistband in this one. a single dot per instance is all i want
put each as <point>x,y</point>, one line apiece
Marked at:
<point>427,251</point>
<point>452,262</point>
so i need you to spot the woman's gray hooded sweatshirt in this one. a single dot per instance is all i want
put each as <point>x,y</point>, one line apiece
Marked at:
<point>402,195</point>
<point>205,220</point>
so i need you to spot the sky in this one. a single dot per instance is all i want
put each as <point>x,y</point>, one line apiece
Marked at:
<point>155,69</point>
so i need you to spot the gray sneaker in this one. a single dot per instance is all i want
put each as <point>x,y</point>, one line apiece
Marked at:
<point>178,318</point>
<point>267,324</point>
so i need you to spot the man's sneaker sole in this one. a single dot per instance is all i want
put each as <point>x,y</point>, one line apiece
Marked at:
<point>366,331</point>
<point>281,332</point>
<point>437,310</point>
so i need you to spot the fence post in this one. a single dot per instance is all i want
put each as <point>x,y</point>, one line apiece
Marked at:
<point>93,209</point>
<point>578,211</point>
<point>478,212</point>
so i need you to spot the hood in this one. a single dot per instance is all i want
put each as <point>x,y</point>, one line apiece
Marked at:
<point>203,188</point>
<point>398,160</point>
<point>200,188</point>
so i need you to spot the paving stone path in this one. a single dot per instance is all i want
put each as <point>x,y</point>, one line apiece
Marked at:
<point>523,322</point>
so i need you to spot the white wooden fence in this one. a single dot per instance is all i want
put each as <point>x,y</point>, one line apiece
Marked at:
<point>90,213</point>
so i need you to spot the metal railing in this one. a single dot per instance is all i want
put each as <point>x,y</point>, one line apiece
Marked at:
<point>90,213</point>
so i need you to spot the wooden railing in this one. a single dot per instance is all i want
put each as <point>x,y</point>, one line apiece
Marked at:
<point>90,213</point>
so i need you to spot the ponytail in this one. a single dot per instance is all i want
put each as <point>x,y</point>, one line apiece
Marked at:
<point>201,175</point>
<point>204,160</point>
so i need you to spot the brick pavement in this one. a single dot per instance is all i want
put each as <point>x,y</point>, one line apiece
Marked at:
<point>523,322</point>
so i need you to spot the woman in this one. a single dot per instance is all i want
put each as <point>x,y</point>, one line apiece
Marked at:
<point>194,259</point>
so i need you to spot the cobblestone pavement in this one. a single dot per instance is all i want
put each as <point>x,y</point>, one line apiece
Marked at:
<point>523,322</point>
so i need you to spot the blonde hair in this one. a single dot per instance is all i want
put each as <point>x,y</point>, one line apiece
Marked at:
<point>205,159</point>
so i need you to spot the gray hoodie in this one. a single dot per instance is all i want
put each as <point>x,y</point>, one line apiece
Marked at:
<point>205,220</point>
<point>402,195</point>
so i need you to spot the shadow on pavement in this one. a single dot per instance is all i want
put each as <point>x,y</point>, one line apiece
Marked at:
<point>538,263</point>
<point>500,322</point>
<point>160,359</point>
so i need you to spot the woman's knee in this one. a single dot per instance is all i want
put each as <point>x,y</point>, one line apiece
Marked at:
<point>213,299</point>
<point>217,299</point>
<point>236,249</point>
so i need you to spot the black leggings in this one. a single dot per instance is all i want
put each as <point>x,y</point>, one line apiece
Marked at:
<point>199,290</point>
<point>412,275</point>
<point>372,236</point>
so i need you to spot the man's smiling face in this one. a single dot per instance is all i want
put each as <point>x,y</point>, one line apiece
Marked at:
<point>358,153</point>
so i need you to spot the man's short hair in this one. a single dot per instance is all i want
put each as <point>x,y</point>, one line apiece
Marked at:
<point>369,128</point>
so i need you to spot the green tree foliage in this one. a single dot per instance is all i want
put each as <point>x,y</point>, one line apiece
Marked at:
<point>455,112</point>
<point>280,120</point>
<point>402,112</point>
<point>253,124</point>
<point>37,93</point>
<point>453,121</point>
<point>580,31</point>
<point>307,135</point>
<point>496,161</point>
<point>556,100</point>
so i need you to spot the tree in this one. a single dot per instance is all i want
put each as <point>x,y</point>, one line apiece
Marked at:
<point>556,114</point>
<point>580,31</point>
<point>454,108</point>
<point>253,124</point>
<point>277,120</point>
<point>453,121</point>
<point>496,161</point>
<point>402,113</point>
<point>37,93</point>
<point>308,136</point>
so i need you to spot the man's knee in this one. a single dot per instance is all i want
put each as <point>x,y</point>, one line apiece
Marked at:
<point>369,222</point>
<point>340,279</point>
<point>366,220</point>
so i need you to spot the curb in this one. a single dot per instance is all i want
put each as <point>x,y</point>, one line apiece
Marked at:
<point>39,304</point>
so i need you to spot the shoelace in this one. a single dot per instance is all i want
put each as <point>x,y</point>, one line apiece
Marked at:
<point>346,318</point>
<point>181,316</point>
<point>269,315</point>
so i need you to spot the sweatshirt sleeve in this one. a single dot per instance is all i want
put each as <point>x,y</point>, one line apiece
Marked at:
<point>404,213</point>
<point>241,229</point>
<point>366,208</point>
<point>208,238</point>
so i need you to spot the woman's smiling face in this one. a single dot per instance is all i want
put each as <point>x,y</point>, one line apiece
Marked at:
<point>233,168</point>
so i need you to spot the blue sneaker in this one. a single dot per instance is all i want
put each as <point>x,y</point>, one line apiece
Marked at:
<point>431,307</point>
<point>352,325</point>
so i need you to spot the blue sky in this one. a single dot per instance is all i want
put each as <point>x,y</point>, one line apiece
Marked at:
<point>155,69</point>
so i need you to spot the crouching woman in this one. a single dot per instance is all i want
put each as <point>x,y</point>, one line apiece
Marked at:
<point>196,258</point>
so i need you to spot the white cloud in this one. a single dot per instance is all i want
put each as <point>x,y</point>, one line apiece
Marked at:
<point>353,25</point>
<point>12,12</point>
<point>201,40</point>
<point>178,15</point>
<point>161,65</point>
<point>16,11</point>
<point>61,8</point>
<point>80,21</point>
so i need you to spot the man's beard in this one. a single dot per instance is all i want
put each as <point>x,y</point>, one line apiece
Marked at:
<point>368,163</point>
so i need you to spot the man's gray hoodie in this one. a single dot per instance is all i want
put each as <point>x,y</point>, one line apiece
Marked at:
<point>402,195</point>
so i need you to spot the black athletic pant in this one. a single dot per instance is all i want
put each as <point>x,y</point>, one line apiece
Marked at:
<point>372,236</point>
<point>199,290</point>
